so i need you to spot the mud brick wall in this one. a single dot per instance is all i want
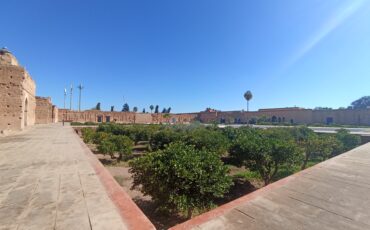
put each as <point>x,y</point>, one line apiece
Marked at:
<point>44,110</point>
<point>17,99</point>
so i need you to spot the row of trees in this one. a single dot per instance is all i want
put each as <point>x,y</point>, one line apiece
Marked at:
<point>184,170</point>
<point>126,108</point>
<point>108,143</point>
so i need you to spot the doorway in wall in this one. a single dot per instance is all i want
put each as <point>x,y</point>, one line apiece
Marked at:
<point>329,120</point>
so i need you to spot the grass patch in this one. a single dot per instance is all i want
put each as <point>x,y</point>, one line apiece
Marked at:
<point>247,175</point>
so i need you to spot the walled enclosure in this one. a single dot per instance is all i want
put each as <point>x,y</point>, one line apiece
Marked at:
<point>17,95</point>
<point>98,116</point>
<point>293,115</point>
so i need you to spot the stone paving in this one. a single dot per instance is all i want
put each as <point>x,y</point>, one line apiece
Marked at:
<point>47,182</point>
<point>332,195</point>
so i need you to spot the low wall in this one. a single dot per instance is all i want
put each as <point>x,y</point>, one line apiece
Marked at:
<point>97,116</point>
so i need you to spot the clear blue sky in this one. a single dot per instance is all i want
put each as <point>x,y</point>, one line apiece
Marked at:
<point>194,54</point>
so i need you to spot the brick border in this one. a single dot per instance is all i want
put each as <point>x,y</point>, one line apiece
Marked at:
<point>223,209</point>
<point>130,213</point>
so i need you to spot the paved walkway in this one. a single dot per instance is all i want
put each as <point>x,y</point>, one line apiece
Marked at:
<point>332,195</point>
<point>48,182</point>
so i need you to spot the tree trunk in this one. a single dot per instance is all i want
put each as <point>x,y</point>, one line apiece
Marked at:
<point>190,213</point>
<point>273,173</point>
<point>305,161</point>
<point>119,157</point>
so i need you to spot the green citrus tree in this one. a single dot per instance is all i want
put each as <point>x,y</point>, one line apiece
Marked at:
<point>107,147</point>
<point>181,177</point>
<point>123,146</point>
<point>264,154</point>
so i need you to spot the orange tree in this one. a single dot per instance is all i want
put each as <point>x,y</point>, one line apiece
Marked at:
<point>123,145</point>
<point>181,177</point>
<point>259,152</point>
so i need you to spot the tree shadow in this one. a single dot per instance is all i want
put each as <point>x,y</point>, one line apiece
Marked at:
<point>161,220</point>
<point>240,188</point>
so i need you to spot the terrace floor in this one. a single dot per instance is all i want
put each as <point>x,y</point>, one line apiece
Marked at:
<point>334,194</point>
<point>49,181</point>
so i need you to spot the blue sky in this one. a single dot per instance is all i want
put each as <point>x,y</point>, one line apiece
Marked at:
<point>194,54</point>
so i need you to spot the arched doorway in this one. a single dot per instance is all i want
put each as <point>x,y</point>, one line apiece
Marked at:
<point>25,115</point>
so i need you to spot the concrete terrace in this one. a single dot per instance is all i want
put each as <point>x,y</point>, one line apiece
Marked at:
<point>334,195</point>
<point>50,180</point>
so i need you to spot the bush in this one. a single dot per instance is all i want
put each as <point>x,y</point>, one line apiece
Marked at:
<point>162,138</point>
<point>135,132</point>
<point>87,134</point>
<point>181,178</point>
<point>123,145</point>
<point>107,146</point>
<point>348,140</point>
<point>264,154</point>
<point>99,137</point>
<point>209,139</point>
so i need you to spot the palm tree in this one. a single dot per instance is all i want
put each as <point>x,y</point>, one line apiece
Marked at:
<point>151,108</point>
<point>248,96</point>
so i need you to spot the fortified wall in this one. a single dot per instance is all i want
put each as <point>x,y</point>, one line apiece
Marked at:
<point>98,116</point>
<point>17,95</point>
<point>19,107</point>
<point>292,115</point>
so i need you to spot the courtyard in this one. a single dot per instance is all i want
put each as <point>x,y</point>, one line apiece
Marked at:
<point>48,182</point>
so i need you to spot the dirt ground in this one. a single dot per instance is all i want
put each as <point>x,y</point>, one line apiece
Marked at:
<point>123,177</point>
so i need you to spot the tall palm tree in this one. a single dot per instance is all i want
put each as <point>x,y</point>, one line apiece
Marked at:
<point>248,96</point>
<point>151,108</point>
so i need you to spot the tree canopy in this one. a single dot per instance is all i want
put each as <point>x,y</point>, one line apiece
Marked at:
<point>97,107</point>
<point>126,108</point>
<point>263,154</point>
<point>181,178</point>
<point>362,103</point>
